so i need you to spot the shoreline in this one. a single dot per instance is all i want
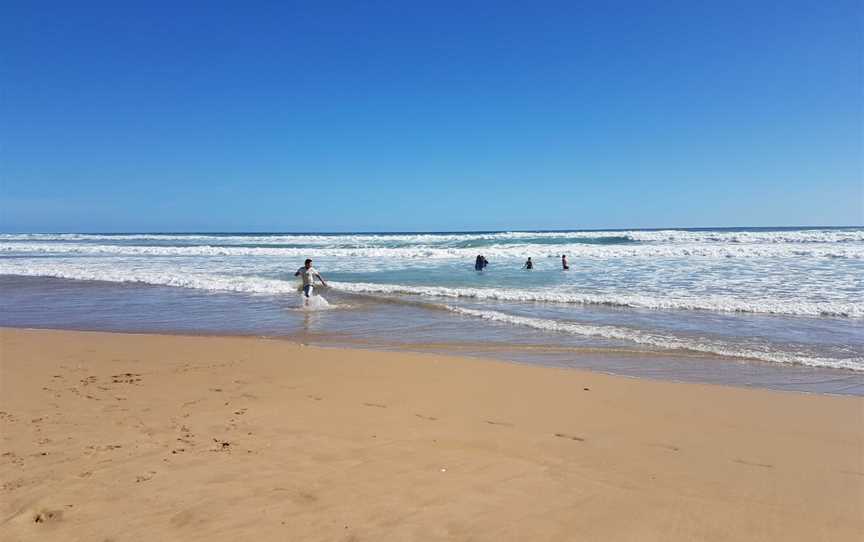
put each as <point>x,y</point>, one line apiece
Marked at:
<point>661,367</point>
<point>223,438</point>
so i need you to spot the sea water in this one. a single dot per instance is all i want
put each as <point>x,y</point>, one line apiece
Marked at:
<point>704,302</point>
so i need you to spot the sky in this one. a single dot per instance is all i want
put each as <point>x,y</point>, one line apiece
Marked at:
<point>432,116</point>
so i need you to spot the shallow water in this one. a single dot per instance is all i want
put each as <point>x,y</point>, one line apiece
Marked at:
<point>745,306</point>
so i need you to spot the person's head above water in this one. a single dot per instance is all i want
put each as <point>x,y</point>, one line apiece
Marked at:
<point>308,263</point>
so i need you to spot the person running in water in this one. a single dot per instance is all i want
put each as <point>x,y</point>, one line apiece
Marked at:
<point>529,264</point>
<point>564,264</point>
<point>308,274</point>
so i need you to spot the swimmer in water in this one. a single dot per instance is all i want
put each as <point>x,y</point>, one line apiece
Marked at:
<point>480,263</point>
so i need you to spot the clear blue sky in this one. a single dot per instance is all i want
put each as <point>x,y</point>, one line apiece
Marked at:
<point>334,116</point>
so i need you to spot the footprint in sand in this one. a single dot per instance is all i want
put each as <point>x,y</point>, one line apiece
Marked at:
<point>14,458</point>
<point>376,405</point>
<point>90,450</point>
<point>429,418</point>
<point>494,422</point>
<point>222,445</point>
<point>569,437</point>
<point>753,463</point>
<point>669,447</point>
<point>146,477</point>
<point>14,484</point>
<point>126,378</point>
<point>47,516</point>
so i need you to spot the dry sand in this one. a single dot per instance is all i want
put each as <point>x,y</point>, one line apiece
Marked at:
<point>146,437</point>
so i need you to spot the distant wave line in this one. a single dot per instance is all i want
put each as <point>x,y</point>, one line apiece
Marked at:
<point>805,235</point>
<point>433,252</point>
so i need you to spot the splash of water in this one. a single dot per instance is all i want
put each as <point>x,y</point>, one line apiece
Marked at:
<point>314,303</point>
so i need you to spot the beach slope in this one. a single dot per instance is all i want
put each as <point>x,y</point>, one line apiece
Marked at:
<point>146,437</point>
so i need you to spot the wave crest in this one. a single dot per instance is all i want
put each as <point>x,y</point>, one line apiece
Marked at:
<point>666,342</point>
<point>498,252</point>
<point>713,303</point>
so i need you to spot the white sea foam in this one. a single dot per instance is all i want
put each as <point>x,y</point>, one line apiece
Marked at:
<point>759,237</point>
<point>815,235</point>
<point>710,303</point>
<point>249,284</point>
<point>180,279</point>
<point>668,342</point>
<point>227,276</point>
<point>493,252</point>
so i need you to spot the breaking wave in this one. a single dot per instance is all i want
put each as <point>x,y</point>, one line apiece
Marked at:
<point>453,253</point>
<point>713,303</point>
<point>666,342</point>
<point>261,285</point>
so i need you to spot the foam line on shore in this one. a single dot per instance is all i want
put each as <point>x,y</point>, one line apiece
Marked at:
<point>702,345</point>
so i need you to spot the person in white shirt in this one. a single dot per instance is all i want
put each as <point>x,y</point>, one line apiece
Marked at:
<point>308,274</point>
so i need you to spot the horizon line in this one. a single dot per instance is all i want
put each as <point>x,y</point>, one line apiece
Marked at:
<point>406,232</point>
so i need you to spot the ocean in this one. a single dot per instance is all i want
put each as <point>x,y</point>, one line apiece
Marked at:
<point>772,307</point>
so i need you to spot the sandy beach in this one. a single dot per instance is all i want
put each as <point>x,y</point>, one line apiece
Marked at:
<point>150,437</point>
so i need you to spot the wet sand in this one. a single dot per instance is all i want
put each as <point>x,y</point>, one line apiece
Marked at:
<point>148,437</point>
